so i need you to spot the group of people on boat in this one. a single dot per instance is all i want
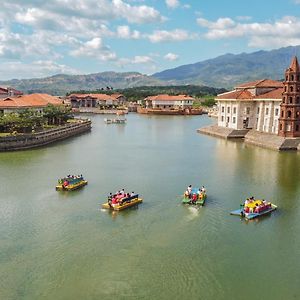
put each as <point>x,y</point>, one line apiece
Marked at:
<point>119,198</point>
<point>194,195</point>
<point>255,206</point>
<point>70,179</point>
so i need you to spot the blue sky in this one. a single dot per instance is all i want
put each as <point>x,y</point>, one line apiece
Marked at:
<point>40,38</point>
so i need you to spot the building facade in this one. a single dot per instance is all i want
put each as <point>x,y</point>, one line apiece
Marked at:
<point>253,105</point>
<point>96,100</point>
<point>9,92</point>
<point>165,101</point>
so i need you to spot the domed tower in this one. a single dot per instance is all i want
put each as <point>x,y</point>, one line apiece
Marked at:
<point>289,120</point>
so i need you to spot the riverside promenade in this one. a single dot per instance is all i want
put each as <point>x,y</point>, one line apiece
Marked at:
<point>32,140</point>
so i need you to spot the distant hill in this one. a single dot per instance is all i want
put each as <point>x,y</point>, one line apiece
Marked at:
<point>229,69</point>
<point>221,72</point>
<point>61,84</point>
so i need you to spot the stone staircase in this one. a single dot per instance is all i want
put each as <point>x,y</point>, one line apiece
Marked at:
<point>238,133</point>
<point>290,144</point>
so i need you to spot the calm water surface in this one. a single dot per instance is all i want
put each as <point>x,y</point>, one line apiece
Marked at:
<point>63,246</point>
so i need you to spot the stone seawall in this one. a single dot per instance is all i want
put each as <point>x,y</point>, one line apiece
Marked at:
<point>27,141</point>
<point>261,139</point>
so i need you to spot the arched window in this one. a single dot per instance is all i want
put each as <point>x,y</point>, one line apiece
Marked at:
<point>280,127</point>
<point>297,99</point>
<point>283,99</point>
<point>289,114</point>
<point>291,88</point>
<point>292,77</point>
<point>285,88</point>
<point>286,78</point>
<point>291,99</point>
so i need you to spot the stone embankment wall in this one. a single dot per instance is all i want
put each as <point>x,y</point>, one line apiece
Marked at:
<point>27,141</point>
<point>95,110</point>
<point>261,139</point>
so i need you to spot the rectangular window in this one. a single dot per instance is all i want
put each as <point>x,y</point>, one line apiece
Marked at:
<point>223,108</point>
<point>267,111</point>
<point>233,120</point>
<point>247,110</point>
<point>276,111</point>
<point>234,110</point>
<point>258,110</point>
<point>222,119</point>
<point>228,110</point>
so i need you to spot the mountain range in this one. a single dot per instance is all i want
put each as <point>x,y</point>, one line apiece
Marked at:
<point>223,71</point>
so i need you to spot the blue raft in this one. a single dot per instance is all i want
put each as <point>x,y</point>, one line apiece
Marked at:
<point>249,216</point>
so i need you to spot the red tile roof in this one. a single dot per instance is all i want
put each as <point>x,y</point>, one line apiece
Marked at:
<point>263,83</point>
<point>246,95</point>
<point>165,97</point>
<point>103,97</point>
<point>237,94</point>
<point>274,94</point>
<point>28,101</point>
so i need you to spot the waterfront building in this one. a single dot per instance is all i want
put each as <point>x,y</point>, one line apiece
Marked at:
<point>252,105</point>
<point>9,92</point>
<point>96,100</point>
<point>165,101</point>
<point>264,105</point>
<point>32,101</point>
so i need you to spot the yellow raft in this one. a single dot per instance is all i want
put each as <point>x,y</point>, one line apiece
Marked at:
<point>125,205</point>
<point>71,187</point>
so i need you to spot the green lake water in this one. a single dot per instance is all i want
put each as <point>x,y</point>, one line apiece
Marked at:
<point>56,245</point>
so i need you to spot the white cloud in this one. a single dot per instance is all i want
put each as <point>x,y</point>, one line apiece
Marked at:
<point>124,32</point>
<point>171,56</point>
<point>283,32</point>
<point>34,69</point>
<point>94,48</point>
<point>176,35</point>
<point>172,3</point>
<point>221,23</point>
<point>141,59</point>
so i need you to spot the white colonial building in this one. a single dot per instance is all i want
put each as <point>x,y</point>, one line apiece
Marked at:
<point>253,105</point>
<point>165,101</point>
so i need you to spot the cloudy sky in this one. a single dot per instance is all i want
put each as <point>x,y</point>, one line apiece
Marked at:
<point>45,37</point>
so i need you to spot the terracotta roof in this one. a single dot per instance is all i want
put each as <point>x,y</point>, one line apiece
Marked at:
<point>274,94</point>
<point>263,83</point>
<point>237,94</point>
<point>33,100</point>
<point>165,97</point>
<point>103,97</point>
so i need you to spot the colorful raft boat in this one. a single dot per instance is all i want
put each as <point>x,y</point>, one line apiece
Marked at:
<point>70,183</point>
<point>200,200</point>
<point>123,203</point>
<point>254,209</point>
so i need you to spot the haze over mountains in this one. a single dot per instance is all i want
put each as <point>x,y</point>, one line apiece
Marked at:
<point>223,71</point>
